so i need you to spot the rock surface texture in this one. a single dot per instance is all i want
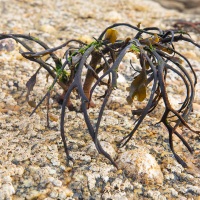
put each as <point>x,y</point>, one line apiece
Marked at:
<point>32,158</point>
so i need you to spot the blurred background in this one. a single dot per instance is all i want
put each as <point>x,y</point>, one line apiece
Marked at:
<point>192,6</point>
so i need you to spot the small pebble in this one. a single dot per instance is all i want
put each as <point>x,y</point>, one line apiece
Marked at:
<point>57,183</point>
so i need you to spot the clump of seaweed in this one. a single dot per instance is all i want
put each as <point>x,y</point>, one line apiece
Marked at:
<point>101,58</point>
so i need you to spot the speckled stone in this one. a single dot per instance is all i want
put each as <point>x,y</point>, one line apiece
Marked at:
<point>32,155</point>
<point>141,165</point>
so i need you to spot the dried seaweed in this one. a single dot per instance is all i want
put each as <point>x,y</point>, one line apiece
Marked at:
<point>101,58</point>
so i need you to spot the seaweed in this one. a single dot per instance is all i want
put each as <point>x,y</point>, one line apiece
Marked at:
<point>101,58</point>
